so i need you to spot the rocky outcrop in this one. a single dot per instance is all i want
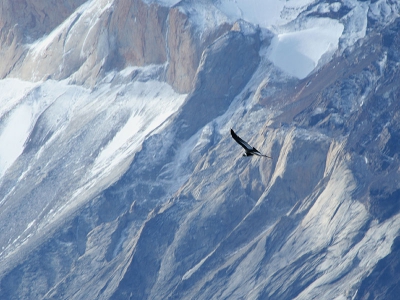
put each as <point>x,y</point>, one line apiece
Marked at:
<point>104,36</point>
<point>184,51</point>
<point>383,283</point>
<point>225,68</point>
<point>138,33</point>
<point>33,19</point>
<point>185,47</point>
<point>24,21</point>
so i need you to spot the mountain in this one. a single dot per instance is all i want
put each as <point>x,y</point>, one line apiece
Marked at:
<point>118,175</point>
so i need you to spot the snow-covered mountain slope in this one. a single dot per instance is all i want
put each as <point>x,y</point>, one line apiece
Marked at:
<point>118,175</point>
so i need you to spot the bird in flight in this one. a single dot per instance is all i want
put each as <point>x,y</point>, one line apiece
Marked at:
<point>249,150</point>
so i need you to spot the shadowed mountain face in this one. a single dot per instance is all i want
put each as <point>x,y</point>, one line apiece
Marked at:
<point>120,179</point>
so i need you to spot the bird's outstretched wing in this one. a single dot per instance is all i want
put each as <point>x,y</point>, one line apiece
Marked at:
<point>249,149</point>
<point>241,142</point>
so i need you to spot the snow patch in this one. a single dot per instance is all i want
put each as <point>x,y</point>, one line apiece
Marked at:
<point>152,103</point>
<point>85,139</point>
<point>299,53</point>
<point>12,91</point>
<point>13,136</point>
<point>18,116</point>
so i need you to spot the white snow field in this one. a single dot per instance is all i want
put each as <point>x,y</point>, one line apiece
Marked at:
<point>298,53</point>
<point>302,43</point>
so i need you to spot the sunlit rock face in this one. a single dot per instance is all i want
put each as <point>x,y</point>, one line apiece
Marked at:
<point>23,22</point>
<point>84,43</point>
<point>119,178</point>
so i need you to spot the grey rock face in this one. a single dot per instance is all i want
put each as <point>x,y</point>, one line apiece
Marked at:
<point>185,48</point>
<point>225,68</point>
<point>24,22</point>
<point>118,35</point>
<point>139,33</point>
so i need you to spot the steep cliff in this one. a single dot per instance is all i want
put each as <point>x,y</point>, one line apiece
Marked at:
<point>23,22</point>
<point>83,44</point>
<point>186,43</point>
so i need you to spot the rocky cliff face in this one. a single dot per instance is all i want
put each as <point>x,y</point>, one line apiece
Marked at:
<point>95,39</point>
<point>186,44</point>
<point>118,186</point>
<point>23,22</point>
